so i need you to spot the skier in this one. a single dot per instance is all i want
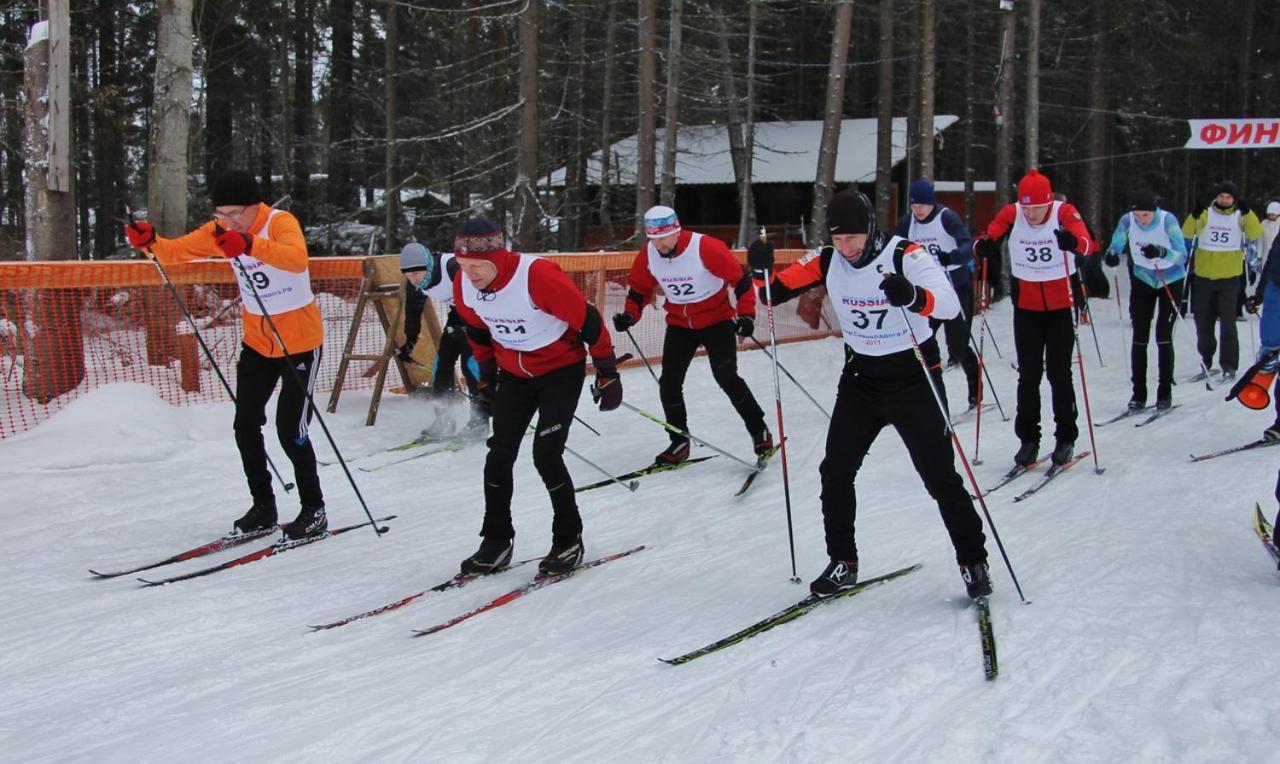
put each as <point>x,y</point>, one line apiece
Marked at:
<point>696,274</point>
<point>871,280</point>
<point>270,247</point>
<point>1044,235</point>
<point>940,230</point>
<point>527,323</point>
<point>432,276</point>
<point>1158,255</point>
<point>1221,232</point>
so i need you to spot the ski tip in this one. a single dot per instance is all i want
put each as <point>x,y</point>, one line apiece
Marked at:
<point>148,582</point>
<point>102,575</point>
<point>671,661</point>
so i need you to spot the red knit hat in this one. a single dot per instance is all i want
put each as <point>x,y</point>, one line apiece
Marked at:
<point>1034,189</point>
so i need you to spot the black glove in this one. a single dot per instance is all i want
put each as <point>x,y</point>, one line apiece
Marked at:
<point>760,256</point>
<point>1153,251</point>
<point>1111,259</point>
<point>987,248</point>
<point>902,293</point>
<point>1066,239</point>
<point>405,353</point>
<point>945,258</point>
<point>486,387</point>
<point>1243,206</point>
<point>745,326</point>
<point>623,321</point>
<point>1252,303</point>
<point>608,389</point>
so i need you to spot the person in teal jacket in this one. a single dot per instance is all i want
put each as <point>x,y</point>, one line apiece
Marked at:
<point>1221,232</point>
<point>1158,264</point>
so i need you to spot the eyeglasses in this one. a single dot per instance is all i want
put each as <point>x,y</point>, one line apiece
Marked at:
<point>223,215</point>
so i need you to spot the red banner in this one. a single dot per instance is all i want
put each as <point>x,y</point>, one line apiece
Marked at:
<point>1258,133</point>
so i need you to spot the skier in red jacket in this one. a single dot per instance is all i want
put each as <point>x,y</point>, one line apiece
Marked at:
<point>1044,236</point>
<point>695,274</point>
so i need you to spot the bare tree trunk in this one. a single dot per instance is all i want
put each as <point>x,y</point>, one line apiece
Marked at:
<point>648,113</point>
<point>341,193</point>
<point>884,116</point>
<point>108,134</point>
<point>1247,19</point>
<point>168,164</point>
<point>606,112</point>
<point>283,36</point>
<point>928,84</point>
<point>573,211</point>
<point>221,85</point>
<point>733,119</point>
<point>1033,83</point>
<point>970,97</point>
<point>672,120</point>
<point>392,199</point>
<point>527,211</point>
<point>1004,124</point>
<point>833,113</point>
<point>746,198</point>
<point>301,107</point>
<point>52,349</point>
<point>1097,131</point>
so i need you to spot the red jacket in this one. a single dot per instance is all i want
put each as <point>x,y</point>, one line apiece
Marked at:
<point>1044,295</point>
<point>716,258</point>
<point>552,292</point>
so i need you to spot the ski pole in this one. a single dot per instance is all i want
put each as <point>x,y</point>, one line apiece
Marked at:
<point>977,431</point>
<point>173,292</point>
<point>297,380</point>
<point>672,428</point>
<point>986,303</point>
<point>1208,384</point>
<point>629,486</point>
<point>1084,385</point>
<point>642,357</point>
<point>955,441</point>
<point>777,397</point>
<point>784,371</point>
<point>983,367</point>
<point>1088,314</point>
<point>1128,362</point>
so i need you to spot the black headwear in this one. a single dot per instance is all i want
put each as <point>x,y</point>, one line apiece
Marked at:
<point>234,187</point>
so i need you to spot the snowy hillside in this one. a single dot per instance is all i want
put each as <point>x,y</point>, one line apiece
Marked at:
<point>1148,636</point>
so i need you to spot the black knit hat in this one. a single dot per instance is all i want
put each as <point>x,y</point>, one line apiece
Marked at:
<point>849,212</point>
<point>1143,200</point>
<point>234,187</point>
<point>1227,187</point>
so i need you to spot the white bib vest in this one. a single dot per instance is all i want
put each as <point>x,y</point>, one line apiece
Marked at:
<point>1221,233</point>
<point>870,325</point>
<point>279,290</point>
<point>684,279</point>
<point>933,237</point>
<point>513,320</point>
<point>1033,249</point>
<point>442,292</point>
<point>1158,235</point>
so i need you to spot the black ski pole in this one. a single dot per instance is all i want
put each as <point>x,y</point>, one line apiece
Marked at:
<point>173,292</point>
<point>784,371</point>
<point>640,353</point>
<point>297,380</point>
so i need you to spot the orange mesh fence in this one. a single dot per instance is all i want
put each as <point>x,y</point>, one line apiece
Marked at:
<point>69,327</point>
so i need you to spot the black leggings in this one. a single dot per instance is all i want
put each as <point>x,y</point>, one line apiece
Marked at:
<point>554,398</point>
<point>256,378</point>
<point>678,349</point>
<point>1143,303</point>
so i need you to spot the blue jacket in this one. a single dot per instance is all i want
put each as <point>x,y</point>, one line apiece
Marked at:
<point>1177,248</point>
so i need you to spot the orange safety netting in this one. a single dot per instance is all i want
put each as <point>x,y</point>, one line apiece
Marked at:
<point>69,327</point>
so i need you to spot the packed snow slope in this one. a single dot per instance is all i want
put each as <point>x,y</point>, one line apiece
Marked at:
<point>1147,636</point>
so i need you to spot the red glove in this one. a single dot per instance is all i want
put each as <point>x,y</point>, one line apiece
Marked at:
<point>233,243</point>
<point>140,234</point>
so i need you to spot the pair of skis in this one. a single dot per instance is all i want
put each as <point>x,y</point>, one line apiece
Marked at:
<point>1260,443</point>
<point>227,542</point>
<point>1053,471</point>
<point>1159,412</point>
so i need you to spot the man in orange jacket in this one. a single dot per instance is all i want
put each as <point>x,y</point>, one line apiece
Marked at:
<point>272,273</point>
<point>1044,237</point>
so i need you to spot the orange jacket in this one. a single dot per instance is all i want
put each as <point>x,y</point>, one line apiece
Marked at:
<point>301,329</point>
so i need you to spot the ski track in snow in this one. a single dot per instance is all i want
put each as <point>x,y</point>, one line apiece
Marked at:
<point>1149,595</point>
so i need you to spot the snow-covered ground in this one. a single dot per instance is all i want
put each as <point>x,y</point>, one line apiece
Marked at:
<point>1147,637</point>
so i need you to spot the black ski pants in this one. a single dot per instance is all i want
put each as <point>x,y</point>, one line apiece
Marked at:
<point>678,348</point>
<point>958,331</point>
<point>452,348</point>
<point>256,379</point>
<point>1147,303</point>
<point>1214,301</point>
<point>554,398</point>
<point>893,390</point>
<point>1044,340</point>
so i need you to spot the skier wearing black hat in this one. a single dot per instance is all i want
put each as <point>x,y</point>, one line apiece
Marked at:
<point>886,292</point>
<point>1220,232</point>
<point>273,257</point>
<point>1158,255</point>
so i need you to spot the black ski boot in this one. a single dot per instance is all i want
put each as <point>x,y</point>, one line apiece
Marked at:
<point>1272,433</point>
<point>976,581</point>
<point>1027,454</point>
<point>1063,451</point>
<point>1164,402</point>
<point>260,517</point>
<point>838,576</point>
<point>1137,403</point>
<point>764,443</point>
<point>562,558</point>
<point>492,556</point>
<point>677,452</point>
<point>311,521</point>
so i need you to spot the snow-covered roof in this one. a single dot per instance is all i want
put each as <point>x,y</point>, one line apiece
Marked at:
<point>786,152</point>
